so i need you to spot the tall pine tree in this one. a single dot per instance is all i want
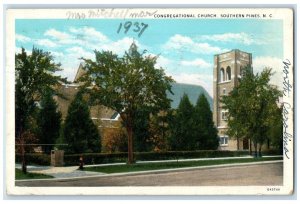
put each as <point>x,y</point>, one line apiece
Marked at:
<point>207,134</point>
<point>49,119</point>
<point>183,127</point>
<point>80,133</point>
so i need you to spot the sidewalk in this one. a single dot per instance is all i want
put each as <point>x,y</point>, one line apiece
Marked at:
<point>72,171</point>
<point>60,172</point>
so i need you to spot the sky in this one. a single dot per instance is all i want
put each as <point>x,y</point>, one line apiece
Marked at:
<point>186,47</point>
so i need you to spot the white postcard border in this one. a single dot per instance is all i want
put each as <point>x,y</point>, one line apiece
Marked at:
<point>285,14</point>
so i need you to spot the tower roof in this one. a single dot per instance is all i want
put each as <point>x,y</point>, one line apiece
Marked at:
<point>233,50</point>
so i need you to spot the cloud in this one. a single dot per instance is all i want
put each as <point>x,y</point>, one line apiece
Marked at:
<point>22,38</point>
<point>58,56</point>
<point>120,46</point>
<point>46,43</point>
<point>18,50</point>
<point>63,38</point>
<point>58,35</point>
<point>199,63</point>
<point>89,34</point>
<point>199,79</point>
<point>79,52</point>
<point>186,44</point>
<point>163,62</point>
<point>91,39</point>
<point>261,62</point>
<point>242,38</point>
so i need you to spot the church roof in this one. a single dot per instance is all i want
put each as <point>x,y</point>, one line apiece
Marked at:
<point>79,73</point>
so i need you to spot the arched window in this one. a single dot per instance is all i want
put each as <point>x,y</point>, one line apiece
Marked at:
<point>222,75</point>
<point>228,73</point>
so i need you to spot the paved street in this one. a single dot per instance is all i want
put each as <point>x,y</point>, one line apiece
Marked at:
<point>262,174</point>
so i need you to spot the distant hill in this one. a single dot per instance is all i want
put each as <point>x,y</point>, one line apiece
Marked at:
<point>193,92</point>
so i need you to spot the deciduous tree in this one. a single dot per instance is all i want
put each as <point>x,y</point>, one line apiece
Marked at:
<point>251,105</point>
<point>126,84</point>
<point>34,74</point>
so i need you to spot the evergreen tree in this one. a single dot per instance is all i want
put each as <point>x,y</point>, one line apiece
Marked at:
<point>49,120</point>
<point>207,134</point>
<point>80,133</point>
<point>183,127</point>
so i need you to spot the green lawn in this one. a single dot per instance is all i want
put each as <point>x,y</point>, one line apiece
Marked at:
<point>20,175</point>
<point>171,165</point>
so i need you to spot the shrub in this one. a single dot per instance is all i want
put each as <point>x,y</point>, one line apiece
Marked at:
<point>272,152</point>
<point>95,158</point>
<point>144,156</point>
<point>101,158</point>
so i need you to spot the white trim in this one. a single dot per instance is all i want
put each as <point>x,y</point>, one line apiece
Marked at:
<point>224,60</point>
<point>108,119</point>
<point>245,60</point>
<point>70,85</point>
<point>224,82</point>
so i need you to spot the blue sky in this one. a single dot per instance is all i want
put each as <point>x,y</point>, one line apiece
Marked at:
<point>186,47</point>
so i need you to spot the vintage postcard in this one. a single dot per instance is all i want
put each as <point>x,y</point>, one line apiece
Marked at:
<point>150,101</point>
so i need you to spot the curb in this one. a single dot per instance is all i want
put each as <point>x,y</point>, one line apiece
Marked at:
<point>179,160</point>
<point>155,171</point>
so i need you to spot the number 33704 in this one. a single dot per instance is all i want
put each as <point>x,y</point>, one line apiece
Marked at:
<point>134,26</point>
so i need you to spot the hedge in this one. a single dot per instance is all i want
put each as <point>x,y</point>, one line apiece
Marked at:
<point>95,158</point>
<point>102,158</point>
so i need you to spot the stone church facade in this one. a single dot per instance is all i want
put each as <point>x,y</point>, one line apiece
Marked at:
<point>226,72</point>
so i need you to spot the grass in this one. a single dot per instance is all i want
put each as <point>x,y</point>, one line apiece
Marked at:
<point>172,165</point>
<point>20,175</point>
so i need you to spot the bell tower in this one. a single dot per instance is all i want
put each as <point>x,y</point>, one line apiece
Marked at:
<point>227,70</point>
